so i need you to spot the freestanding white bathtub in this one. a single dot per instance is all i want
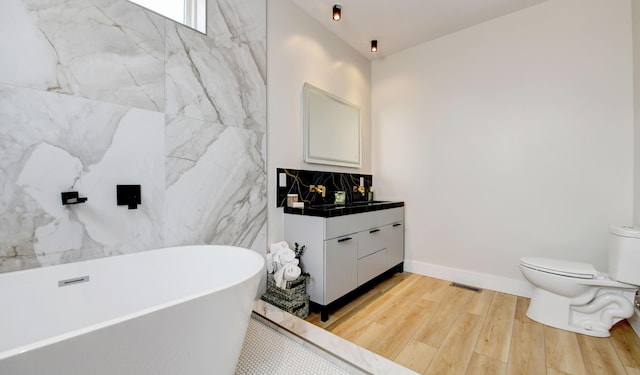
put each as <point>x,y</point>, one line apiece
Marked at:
<point>180,310</point>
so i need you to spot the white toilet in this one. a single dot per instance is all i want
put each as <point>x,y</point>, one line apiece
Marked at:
<point>575,297</point>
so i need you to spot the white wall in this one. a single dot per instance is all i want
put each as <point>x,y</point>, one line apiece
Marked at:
<point>636,95</point>
<point>635,7</point>
<point>302,50</point>
<point>508,139</point>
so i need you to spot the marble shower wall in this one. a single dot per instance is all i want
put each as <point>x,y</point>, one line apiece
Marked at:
<point>95,93</point>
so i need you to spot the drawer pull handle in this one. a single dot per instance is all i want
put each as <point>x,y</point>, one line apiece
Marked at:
<point>374,231</point>
<point>397,225</point>
<point>345,239</point>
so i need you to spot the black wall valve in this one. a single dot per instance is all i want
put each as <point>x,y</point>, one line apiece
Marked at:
<point>71,197</point>
<point>128,195</point>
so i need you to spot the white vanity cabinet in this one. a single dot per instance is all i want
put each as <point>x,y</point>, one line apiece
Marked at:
<point>344,252</point>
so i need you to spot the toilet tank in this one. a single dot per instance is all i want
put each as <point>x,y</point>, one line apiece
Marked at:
<point>624,254</point>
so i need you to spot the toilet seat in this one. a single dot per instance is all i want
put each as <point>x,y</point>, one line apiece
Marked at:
<point>561,267</point>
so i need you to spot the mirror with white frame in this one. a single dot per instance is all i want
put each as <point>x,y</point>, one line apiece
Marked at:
<point>191,13</point>
<point>331,129</point>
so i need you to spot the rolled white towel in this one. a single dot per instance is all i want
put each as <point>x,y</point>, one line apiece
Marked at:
<point>291,272</point>
<point>284,257</point>
<point>288,272</point>
<point>275,250</point>
<point>279,278</point>
<point>269,263</point>
<point>287,257</point>
<point>278,246</point>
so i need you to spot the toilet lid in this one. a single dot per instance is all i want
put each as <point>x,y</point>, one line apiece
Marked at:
<point>561,267</point>
<point>625,231</point>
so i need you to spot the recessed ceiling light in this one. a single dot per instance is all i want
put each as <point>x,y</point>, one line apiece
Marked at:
<point>374,46</point>
<point>337,12</point>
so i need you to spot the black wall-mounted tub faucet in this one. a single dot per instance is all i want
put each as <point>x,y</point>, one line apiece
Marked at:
<point>128,195</point>
<point>71,197</point>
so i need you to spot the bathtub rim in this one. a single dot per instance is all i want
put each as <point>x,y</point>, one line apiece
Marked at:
<point>125,317</point>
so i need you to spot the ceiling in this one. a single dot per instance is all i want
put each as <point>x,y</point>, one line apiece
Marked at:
<point>400,24</point>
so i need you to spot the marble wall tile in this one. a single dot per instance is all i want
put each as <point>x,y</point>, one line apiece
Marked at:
<point>50,143</point>
<point>83,106</point>
<point>220,77</point>
<point>243,21</point>
<point>106,50</point>
<point>216,183</point>
<point>216,124</point>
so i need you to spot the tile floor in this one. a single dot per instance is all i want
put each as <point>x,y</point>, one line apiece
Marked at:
<point>269,352</point>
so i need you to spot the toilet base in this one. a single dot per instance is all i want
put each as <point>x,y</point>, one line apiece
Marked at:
<point>591,315</point>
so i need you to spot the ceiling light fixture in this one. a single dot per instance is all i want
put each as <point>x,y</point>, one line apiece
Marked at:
<point>374,45</point>
<point>337,12</point>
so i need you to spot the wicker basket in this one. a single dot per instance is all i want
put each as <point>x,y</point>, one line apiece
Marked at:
<point>298,307</point>
<point>294,289</point>
<point>292,299</point>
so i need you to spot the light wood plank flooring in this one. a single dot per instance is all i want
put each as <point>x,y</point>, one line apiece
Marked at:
<point>433,328</point>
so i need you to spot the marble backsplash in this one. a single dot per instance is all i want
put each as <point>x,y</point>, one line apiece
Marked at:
<point>96,93</point>
<point>297,181</point>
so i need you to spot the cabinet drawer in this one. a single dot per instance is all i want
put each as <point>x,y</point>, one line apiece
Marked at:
<point>372,266</point>
<point>372,240</point>
<point>347,224</point>
<point>395,245</point>
<point>340,263</point>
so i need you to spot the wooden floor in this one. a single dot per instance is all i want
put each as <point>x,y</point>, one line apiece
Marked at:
<point>434,328</point>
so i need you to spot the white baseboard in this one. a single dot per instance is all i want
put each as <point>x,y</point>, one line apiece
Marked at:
<point>481,280</point>
<point>635,322</point>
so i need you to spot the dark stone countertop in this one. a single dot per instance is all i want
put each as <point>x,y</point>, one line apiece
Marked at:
<point>332,210</point>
